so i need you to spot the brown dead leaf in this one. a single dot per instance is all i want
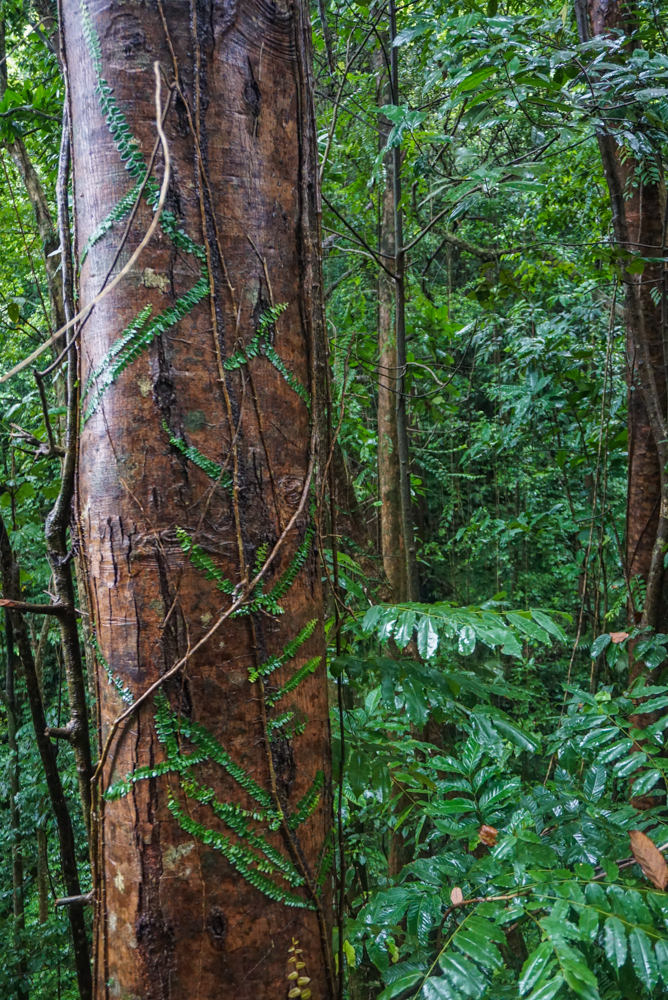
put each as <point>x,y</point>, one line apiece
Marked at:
<point>619,636</point>
<point>456,896</point>
<point>488,835</point>
<point>650,859</point>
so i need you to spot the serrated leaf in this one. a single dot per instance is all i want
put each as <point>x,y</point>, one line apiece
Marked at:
<point>535,965</point>
<point>614,942</point>
<point>644,961</point>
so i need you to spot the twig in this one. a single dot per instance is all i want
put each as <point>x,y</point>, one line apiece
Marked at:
<point>59,610</point>
<point>121,274</point>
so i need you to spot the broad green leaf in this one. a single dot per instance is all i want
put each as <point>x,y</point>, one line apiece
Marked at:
<point>474,79</point>
<point>511,647</point>
<point>535,965</point>
<point>594,783</point>
<point>466,641</point>
<point>400,985</point>
<point>646,781</point>
<point>404,628</point>
<point>547,990</point>
<point>427,638</point>
<point>661,952</point>
<point>421,916</point>
<point>614,942</point>
<point>372,701</point>
<point>439,989</point>
<point>515,735</point>
<point>644,961</point>
<point>463,974</point>
<point>386,624</point>
<point>416,703</point>
<point>550,626</point>
<point>371,617</point>
<point>588,923</point>
<point>616,750</point>
<point>579,976</point>
<point>529,627</point>
<point>358,771</point>
<point>478,947</point>
<point>624,768</point>
<point>599,644</point>
<point>597,737</point>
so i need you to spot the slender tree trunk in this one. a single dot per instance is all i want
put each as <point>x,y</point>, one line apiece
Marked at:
<point>389,468</point>
<point>646,521</point>
<point>638,213</point>
<point>11,705</point>
<point>412,579</point>
<point>42,874</point>
<point>10,589</point>
<point>40,206</point>
<point>196,466</point>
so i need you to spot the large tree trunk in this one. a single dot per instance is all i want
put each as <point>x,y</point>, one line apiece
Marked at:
<point>195,459</point>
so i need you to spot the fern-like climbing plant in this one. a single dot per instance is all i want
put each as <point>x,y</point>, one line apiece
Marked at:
<point>197,455</point>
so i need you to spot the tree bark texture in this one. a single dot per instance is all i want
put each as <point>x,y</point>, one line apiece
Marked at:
<point>389,470</point>
<point>399,268</point>
<point>11,705</point>
<point>9,571</point>
<point>644,215</point>
<point>196,457</point>
<point>638,212</point>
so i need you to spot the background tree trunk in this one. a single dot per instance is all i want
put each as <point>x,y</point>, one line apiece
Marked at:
<point>638,212</point>
<point>11,705</point>
<point>196,444</point>
<point>389,469</point>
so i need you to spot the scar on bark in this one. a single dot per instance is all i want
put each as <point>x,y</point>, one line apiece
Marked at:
<point>252,96</point>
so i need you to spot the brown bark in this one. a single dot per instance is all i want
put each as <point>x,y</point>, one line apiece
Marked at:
<point>45,227</point>
<point>42,875</point>
<point>638,223</point>
<point>389,469</point>
<point>10,586</point>
<point>174,917</point>
<point>644,217</point>
<point>11,705</point>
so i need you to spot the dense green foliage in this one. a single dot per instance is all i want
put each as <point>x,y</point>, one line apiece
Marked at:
<point>486,751</point>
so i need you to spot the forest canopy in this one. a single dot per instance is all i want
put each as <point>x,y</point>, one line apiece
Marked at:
<point>416,483</point>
